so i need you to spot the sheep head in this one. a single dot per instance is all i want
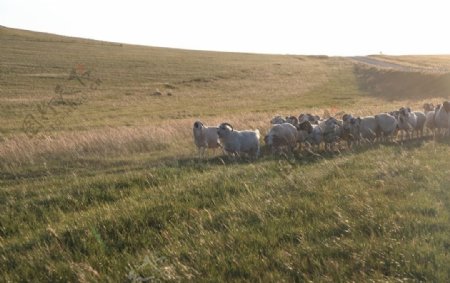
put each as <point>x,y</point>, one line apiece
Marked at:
<point>277,120</point>
<point>305,126</point>
<point>198,125</point>
<point>356,122</point>
<point>403,111</point>
<point>314,119</point>
<point>332,121</point>
<point>300,117</point>
<point>292,120</point>
<point>395,114</point>
<point>347,117</point>
<point>446,106</point>
<point>428,107</point>
<point>224,129</point>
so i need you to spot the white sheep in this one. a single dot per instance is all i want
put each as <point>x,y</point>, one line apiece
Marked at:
<point>427,107</point>
<point>350,130</point>
<point>205,137</point>
<point>281,136</point>
<point>277,120</point>
<point>430,112</point>
<point>387,125</point>
<point>368,128</point>
<point>442,117</point>
<point>429,121</point>
<point>292,120</point>
<point>238,142</point>
<point>407,121</point>
<point>331,132</point>
<point>313,119</point>
<point>420,123</point>
<point>310,134</point>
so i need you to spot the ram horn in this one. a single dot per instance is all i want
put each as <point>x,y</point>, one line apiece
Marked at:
<point>229,125</point>
<point>198,124</point>
<point>446,106</point>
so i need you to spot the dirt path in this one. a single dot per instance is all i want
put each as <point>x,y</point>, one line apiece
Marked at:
<point>374,62</point>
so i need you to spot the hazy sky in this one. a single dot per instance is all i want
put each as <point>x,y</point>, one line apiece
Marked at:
<point>340,27</point>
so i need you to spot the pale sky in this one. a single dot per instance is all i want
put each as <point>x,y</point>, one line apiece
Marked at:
<point>341,27</point>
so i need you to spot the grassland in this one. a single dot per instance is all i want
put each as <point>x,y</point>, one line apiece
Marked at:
<point>436,63</point>
<point>109,188</point>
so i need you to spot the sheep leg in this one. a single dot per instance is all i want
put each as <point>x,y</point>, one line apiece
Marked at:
<point>199,152</point>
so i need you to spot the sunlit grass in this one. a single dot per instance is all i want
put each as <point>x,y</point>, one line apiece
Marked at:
<point>114,192</point>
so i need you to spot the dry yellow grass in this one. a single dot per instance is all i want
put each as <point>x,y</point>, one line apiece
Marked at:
<point>431,63</point>
<point>111,191</point>
<point>165,139</point>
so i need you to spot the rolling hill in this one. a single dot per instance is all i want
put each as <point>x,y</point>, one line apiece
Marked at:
<point>99,180</point>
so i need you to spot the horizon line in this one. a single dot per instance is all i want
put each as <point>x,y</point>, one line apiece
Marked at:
<point>219,51</point>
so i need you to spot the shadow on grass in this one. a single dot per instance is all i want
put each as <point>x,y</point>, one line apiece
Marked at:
<point>396,85</point>
<point>299,157</point>
<point>84,166</point>
<point>63,166</point>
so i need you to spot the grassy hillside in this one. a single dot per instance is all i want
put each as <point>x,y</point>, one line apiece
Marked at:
<point>435,63</point>
<point>99,180</point>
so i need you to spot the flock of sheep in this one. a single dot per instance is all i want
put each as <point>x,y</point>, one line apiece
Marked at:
<point>310,131</point>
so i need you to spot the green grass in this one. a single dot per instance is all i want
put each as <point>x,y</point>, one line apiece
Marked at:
<point>349,217</point>
<point>114,191</point>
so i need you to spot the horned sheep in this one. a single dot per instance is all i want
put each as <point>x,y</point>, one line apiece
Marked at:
<point>430,113</point>
<point>407,121</point>
<point>368,128</point>
<point>277,120</point>
<point>239,142</point>
<point>331,132</point>
<point>205,137</point>
<point>313,119</point>
<point>311,134</point>
<point>442,117</point>
<point>387,125</point>
<point>350,130</point>
<point>421,119</point>
<point>281,136</point>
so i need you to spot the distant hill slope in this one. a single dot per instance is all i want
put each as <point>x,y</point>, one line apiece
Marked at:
<point>200,83</point>
<point>424,64</point>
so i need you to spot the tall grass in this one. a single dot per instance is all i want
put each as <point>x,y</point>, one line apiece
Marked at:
<point>116,192</point>
<point>358,216</point>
